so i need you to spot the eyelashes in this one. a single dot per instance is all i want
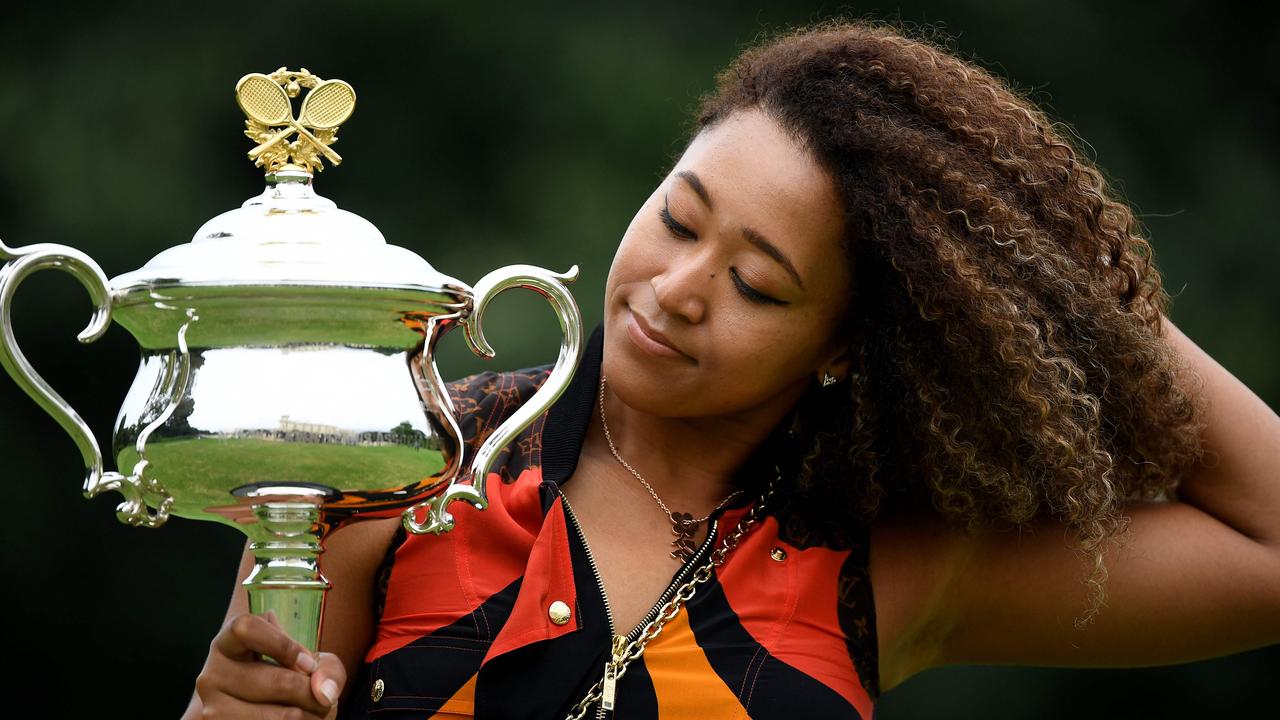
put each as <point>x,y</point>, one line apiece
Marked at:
<point>751,293</point>
<point>748,292</point>
<point>676,228</point>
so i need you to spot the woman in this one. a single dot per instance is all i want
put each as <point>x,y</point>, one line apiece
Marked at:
<point>879,316</point>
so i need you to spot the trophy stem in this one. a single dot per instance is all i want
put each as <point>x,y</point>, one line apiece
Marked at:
<point>287,576</point>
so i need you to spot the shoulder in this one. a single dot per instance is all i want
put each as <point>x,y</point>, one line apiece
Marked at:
<point>483,400</point>
<point>496,391</point>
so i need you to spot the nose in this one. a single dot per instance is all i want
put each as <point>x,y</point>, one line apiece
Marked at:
<point>682,288</point>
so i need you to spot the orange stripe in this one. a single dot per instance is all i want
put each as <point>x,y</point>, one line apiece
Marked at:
<point>462,704</point>
<point>684,681</point>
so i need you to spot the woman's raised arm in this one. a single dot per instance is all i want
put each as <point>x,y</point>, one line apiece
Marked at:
<point>1195,578</point>
<point>1239,484</point>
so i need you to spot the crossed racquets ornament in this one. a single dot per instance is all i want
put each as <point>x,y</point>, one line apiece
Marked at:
<point>266,102</point>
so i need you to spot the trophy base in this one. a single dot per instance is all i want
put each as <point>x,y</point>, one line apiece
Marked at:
<point>286,578</point>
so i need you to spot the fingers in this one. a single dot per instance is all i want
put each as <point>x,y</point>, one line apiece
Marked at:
<point>329,679</point>
<point>304,661</point>
<point>236,681</point>
<point>229,707</point>
<point>244,635</point>
<point>260,682</point>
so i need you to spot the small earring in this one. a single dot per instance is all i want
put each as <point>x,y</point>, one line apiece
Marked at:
<point>828,379</point>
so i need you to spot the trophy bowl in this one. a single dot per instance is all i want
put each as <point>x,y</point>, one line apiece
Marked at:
<point>287,382</point>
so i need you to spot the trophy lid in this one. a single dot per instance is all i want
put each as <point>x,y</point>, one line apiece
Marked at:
<point>288,235</point>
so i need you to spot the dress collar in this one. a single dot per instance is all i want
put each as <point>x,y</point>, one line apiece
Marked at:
<point>567,420</point>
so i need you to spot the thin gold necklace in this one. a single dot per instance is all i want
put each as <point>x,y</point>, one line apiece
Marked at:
<point>683,525</point>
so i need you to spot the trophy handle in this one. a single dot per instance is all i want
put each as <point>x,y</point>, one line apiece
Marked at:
<point>551,286</point>
<point>19,263</point>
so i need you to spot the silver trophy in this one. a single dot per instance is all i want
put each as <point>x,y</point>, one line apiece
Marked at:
<point>288,382</point>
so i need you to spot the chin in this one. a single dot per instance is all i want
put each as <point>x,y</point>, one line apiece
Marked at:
<point>641,383</point>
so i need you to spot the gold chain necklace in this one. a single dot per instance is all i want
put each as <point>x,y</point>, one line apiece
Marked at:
<point>683,525</point>
<point>624,651</point>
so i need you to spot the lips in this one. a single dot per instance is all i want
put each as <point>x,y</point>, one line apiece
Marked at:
<point>651,340</point>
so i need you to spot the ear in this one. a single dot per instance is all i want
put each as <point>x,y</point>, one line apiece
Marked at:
<point>838,363</point>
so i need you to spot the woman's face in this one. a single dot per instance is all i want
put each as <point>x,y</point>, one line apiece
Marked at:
<point>736,260</point>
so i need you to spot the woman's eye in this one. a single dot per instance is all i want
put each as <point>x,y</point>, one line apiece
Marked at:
<point>746,290</point>
<point>676,228</point>
<point>751,293</point>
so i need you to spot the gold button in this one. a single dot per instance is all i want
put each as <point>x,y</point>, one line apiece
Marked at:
<point>378,687</point>
<point>778,554</point>
<point>559,612</point>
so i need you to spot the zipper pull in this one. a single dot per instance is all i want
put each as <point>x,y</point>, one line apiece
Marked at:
<point>609,691</point>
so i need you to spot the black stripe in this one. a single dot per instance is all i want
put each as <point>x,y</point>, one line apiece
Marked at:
<point>636,697</point>
<point>422,675</point>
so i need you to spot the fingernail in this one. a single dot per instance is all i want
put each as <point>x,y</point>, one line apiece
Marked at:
<point>306,663</point>
<point>270,615</point>
<point>329,689</point>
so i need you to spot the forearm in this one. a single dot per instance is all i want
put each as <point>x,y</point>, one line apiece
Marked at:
<point>1239,480</point>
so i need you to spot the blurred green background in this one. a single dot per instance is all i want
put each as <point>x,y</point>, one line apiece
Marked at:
<point>486,135</point>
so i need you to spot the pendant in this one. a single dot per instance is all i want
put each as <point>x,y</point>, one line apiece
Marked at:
<point>684,526</point>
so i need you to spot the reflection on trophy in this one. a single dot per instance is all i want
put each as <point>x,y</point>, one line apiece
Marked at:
<point>288,382</point>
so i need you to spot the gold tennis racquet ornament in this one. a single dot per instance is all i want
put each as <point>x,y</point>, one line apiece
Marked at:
<point>288,383</point>
<point>266,102</point>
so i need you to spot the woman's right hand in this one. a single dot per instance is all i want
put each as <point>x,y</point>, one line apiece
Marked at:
<point>236,683</point>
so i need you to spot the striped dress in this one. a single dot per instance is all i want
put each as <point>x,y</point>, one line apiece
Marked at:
<point>785,629</point>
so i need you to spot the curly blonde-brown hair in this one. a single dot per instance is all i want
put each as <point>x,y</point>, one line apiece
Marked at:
<point>1006,313</point>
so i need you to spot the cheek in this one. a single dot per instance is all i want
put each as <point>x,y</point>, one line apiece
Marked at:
<point>640,233</point>
<point>636,259</point>
<point>762,356</point>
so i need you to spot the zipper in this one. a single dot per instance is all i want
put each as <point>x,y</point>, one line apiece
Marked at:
<point>619,642</point>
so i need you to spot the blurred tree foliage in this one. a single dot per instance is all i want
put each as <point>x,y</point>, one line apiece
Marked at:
<point>488,134</point>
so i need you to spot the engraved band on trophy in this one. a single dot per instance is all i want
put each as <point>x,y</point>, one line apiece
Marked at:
<point>287,383</point>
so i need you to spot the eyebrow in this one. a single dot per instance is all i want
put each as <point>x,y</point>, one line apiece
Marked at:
<point>752,236</point>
